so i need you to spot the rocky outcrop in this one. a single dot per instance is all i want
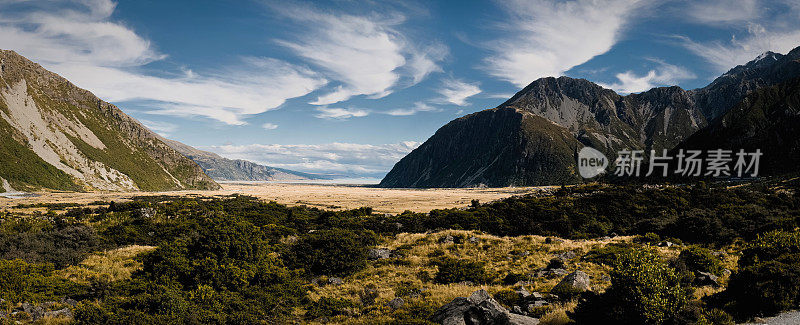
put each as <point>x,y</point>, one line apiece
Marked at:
<point>58,136</point>
<point>574,283</point>
<point>478,308</point>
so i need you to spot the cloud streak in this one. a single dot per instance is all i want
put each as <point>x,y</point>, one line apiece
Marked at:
<point>345,158</point>
<point>457,92</point>
<point>340,113</point>
<point>82,43</point>
<point>548,37</point>
<point>663,75</point>
<point>365,54</point>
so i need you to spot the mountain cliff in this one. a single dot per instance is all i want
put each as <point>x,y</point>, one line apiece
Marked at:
<point>533,138</point>
<point>55,135</point>
<point>223,169</point>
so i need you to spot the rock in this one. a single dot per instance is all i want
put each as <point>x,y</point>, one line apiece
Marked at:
<point>65,312</point>
<point>667,244</point>
<point>446,240</point>
<point>517,310</point>
<point>147,213</point>
<point>523,293</point>
<point>705,278</point>
<point>565,256</point>
<point>478,308</point>
<point>726,273</point>
<point>613,234</point>
<point>536,295</point>
<point>335,281</point>
<point>473,239</point>
<point>379,253</point>
<point>606,238</point>
<point>396,303</point>
<point>575,282</point>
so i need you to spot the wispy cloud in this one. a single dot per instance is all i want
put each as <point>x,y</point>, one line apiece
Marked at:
<point>79,40</point>
<point>456,91</point>
<point>723,55</point>
<point>164,129</point>
<point>269,126</point>
<point>350,158</point>
<point>365,54</point>
<point>340,113</point>
<point>418,107</point>
<point>664,74</point>
<point>549,37</point>
<point>723,11</point>
<point>758,27</point>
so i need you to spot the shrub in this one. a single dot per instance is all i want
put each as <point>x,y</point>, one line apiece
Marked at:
<point>768,280</point>
<point>644,290</point>
<point>329,307</point>
<point>699,259</point>
<point>62,247</point>
<point>453,270</point>
<point>23,282</point>
<point>332,251</point>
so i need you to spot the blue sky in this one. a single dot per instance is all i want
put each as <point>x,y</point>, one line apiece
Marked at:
<point>350,87</point>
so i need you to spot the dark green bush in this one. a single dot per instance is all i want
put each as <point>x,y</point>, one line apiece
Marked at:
<point>768,280</point>
<point>64,246</point>
<point>332,251</point>
<point>453,270</point>
<point>23,282</point>
<point>329,307</point>
<point>644,290</point>
<point>696,258</point>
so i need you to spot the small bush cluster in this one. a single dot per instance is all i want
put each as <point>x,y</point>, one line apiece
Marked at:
<point>452,270</point>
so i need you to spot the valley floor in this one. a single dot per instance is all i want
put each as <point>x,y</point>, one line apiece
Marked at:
<point>331,197</point>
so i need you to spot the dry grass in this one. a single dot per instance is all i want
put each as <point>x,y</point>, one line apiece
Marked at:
<point>502,255</point>
<point>335,197</point>
<point>112,265</point>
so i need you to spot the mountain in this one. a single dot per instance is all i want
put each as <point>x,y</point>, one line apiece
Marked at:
<point>57,136</point>
<point>223,169</point>
<point>532,139</point>
<point>767,120</point>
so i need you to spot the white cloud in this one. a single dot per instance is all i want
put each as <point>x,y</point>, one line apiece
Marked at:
<point>269,126</point>
<point>164,129</point>
<point>79,40</point>
<point>758,27</point>
<point>340,113</point>
<point>366,54</point>
<point>723,11</point>
<point>549,37</point>
<point>418,107</point>
<point>456,92</point>
<point>351,158</point>
<point>740,50</point>
<point>663,75</point>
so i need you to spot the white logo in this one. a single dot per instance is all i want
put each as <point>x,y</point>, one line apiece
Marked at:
<point>591,162</point>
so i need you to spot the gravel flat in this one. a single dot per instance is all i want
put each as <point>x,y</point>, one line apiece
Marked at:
<point>787,318</point>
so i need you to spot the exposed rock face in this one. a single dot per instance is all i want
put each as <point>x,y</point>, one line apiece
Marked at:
<point>223,169</point>
<point>533,138</point>
<point>56,135</point>
<point>478,308</point>
<point>575,282</point>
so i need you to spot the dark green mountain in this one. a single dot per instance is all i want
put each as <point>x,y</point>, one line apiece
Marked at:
<point>55,135</point>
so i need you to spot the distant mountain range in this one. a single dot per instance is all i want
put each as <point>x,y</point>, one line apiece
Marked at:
<point>223,169</point>
<point>57,136</point>
<point>533,138</point>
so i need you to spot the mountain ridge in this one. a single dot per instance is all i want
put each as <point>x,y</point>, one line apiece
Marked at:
<point>656,119</point>
<point>58,136</point>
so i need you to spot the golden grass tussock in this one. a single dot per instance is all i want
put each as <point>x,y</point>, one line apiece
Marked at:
<point>112,265</point>
<point>414,270</point>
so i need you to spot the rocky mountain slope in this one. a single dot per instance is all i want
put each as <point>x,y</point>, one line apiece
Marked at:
<point>55,135</point>
<point>533,138</point>
<point>223,169</point>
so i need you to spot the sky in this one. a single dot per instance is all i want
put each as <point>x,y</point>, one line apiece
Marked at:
<point>349,87</point>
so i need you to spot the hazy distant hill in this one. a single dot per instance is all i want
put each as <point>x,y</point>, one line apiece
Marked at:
<point>223,169</point>
<point>532,138</point>
<point>55,135</point>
